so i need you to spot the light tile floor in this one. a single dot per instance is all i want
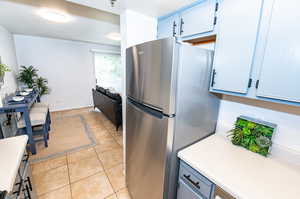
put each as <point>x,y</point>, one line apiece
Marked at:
<point>92,173</point>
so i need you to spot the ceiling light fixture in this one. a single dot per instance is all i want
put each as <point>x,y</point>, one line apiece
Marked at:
<point>114,36</point>
<point>54,15</point>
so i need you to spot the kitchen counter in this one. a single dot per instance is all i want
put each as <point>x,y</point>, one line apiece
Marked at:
<point>11,153</point>
<point>241,173</point>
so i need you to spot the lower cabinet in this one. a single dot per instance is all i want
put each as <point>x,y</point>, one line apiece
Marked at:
<point>185,191</point>
<point>193,185</point>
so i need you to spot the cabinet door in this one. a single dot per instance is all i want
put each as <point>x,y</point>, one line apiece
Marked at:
<point>280,72</point>
<point>198,19</point>
<point>238,23</point>
<point>186,192</point>
<point>168,27</point>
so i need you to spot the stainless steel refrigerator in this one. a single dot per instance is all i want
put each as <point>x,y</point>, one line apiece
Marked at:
<point>168,108</point>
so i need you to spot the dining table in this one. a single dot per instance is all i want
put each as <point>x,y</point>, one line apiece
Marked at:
<point>23,107</point>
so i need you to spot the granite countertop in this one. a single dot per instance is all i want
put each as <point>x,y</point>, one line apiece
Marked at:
<point>11,153</point>
<point>241,173</point>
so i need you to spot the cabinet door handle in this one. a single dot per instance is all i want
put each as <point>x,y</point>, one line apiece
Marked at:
<point>213,78</point>
<point>181,26</point>
<point>174,28</point>
<point>196,184</point>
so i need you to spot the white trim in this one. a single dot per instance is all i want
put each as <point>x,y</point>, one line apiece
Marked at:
<point>105,51</point>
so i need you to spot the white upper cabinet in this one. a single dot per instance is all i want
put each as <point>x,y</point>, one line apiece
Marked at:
<point>168,27</point>
<point>238,23</point>
<point>280,70</point>
<point>198,19</point>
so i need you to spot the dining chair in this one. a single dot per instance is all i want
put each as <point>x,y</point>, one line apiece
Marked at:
<point>40,122</point>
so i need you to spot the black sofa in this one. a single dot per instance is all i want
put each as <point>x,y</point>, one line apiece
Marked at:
<point>110,104</point>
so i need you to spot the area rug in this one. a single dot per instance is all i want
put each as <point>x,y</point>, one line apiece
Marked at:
<point>68,134</point>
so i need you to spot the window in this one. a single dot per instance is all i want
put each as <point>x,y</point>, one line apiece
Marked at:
<point>108,71</point>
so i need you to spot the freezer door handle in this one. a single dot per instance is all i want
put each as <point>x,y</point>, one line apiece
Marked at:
<point>146,109</point>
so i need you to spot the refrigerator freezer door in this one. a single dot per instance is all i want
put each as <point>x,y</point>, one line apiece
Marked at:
<point>146,152</point>
<point>151,73</point>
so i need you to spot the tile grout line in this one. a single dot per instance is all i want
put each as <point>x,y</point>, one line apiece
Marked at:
<point>53,190</point>
<point>105,173</point>
<point>84,178</point>
<point>69,177</point>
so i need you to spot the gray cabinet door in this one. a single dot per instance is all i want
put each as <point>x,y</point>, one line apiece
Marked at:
<point>186,192</point>
<point>238,23</point>
<point>198,19</point>
<point>168,27</point>
<point>280,72</point>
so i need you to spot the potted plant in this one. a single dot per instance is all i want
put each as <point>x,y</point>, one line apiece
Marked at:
<point>28,75</point>
<point>3,69</point>
<point>41,85</point>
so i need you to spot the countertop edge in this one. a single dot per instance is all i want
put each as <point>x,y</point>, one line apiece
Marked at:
<point>22,142</point>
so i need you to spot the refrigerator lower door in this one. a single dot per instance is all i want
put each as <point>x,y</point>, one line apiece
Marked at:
<point>146,151</point>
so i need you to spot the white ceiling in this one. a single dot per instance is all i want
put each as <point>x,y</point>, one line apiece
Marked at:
<point>87,24</point>
<point>153,8</point>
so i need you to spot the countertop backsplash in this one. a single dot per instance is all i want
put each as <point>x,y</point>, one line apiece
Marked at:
<point>286,139</point>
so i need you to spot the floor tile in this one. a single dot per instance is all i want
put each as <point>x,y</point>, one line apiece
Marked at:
<point>102,139</point>
<point>119,140</point>
<point>114,196</point>
<point>101,132</point>
<point>80,155</point>
<point>48,164</point>
<point>111,158</point>
<point>116,177</point>
<point>123,194</point>
<point>95,124</point>
<point>106,145</point>
<point>84,168</point>
<point>61,193</point>
<point>51,180</point>
<point>94,187</point>
<point>109,126</point>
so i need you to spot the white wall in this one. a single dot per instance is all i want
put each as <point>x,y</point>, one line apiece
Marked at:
<point>68,66</point>
<point>286,140</point>
<point>8,57</point>
<point>136,28</point>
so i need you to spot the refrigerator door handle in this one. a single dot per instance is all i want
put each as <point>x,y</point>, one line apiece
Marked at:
<point>146,109</point>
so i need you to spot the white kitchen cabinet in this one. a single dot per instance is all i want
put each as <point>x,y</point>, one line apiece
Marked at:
<point>168,27</point>
<point>238,23</point>
<point>280,70</point>
<point>198,19</point>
